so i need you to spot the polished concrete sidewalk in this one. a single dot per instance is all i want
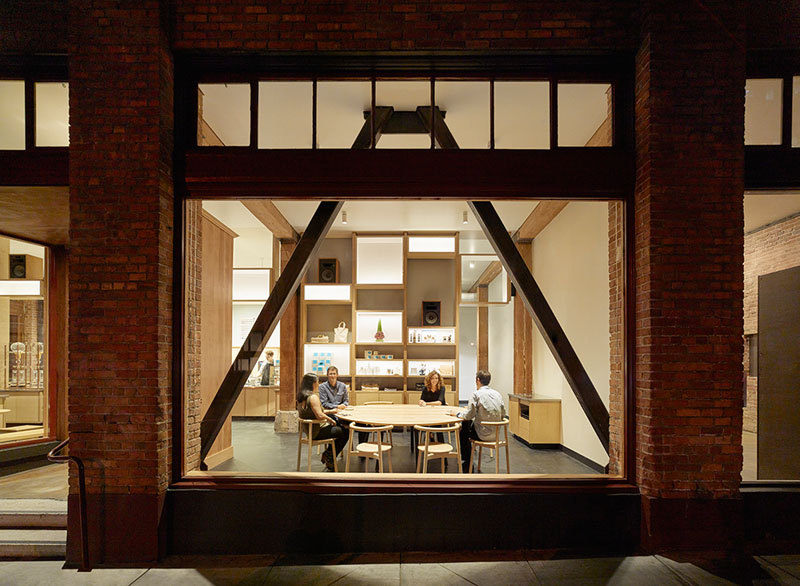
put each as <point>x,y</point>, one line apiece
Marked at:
<point>414,569</point>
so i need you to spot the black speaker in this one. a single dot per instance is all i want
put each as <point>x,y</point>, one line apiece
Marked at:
<point>17,266</point>
<point>431,313</point>
<point>328,270</point>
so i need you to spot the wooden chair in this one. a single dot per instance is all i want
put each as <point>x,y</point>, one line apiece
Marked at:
<point>429,450</point>
<point>497,444</point>
<point>304,437</point>
<point>370,449</point>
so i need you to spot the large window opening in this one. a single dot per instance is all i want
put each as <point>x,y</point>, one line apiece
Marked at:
<point>398,290</point>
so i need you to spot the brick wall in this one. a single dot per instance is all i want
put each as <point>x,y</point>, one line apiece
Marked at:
<point>364,25</point>
<point>33,26</point>
<point>194,264</point>
<point>767,250</point>
<point>121,246</point>
<point>616,335</point>
<point>689,242</point>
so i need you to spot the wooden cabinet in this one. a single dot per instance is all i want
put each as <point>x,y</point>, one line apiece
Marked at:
<point>257,402</point>
<point>535,419</point>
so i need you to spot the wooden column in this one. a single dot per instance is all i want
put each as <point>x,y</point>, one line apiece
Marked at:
<point>523,336</point>
<point>289,321</point>
<point>483,328</point>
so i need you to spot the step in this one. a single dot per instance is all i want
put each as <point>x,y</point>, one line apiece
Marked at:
<point>33,543</point>
<point>33,513</point>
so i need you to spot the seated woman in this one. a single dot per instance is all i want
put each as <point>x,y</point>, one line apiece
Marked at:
<point>433,393</point>
<point>309,407</point>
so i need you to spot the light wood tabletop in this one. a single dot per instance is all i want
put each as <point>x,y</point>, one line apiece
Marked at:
<point>398,415</point>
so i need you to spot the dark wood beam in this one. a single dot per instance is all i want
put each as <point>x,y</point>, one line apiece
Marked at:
<point>272,218</point>
<point>545,320</point>
<point>230,173</point>
<point>539,218</point>
<point>487,276</point>
<point>444,138</point>
<point>382,115</point>
<point>280,297</point>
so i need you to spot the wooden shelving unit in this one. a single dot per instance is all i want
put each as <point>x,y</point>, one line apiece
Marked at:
<point>389,283</point>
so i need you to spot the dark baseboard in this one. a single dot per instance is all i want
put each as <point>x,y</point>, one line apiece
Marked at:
<point>599,468</point>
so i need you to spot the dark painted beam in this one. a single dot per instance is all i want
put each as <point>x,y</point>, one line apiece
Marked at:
<point>543,317</point>
<point>382,116</point>
<point>280,297</point>
<point>444,137</point>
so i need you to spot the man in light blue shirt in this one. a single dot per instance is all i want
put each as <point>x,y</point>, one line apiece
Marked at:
<point>333,392</point>
<point>485,404</point>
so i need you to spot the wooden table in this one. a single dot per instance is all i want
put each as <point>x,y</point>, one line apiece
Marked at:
<point>398,415</point>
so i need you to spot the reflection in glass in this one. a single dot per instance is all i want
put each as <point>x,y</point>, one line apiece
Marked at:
<point>12,115</point>
<point>584,114</point>
<point>403,96</point>
<point>284,114</point>
<point>340,112</point>
<point>522,115</point>
<point>466,104</point>
<point>52,114</point>
<point>763,102</point>
<point>223,112</point>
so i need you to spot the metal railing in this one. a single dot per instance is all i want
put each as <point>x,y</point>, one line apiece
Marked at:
<point>85,565</point>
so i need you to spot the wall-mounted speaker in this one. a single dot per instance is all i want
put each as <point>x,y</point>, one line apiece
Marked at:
<point>328,270</point>
<point>25,266</point>
<point>431,313</point>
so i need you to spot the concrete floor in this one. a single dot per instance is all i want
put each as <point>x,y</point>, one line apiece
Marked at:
<point>257,448</point>
<point>429,569</point>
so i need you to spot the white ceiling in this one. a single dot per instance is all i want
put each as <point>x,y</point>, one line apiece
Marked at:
<point>762,208</point>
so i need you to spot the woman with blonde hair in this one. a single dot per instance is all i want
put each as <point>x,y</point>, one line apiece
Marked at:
<point>433,393</point>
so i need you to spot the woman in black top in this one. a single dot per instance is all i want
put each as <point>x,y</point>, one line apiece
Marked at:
<point>433,393</point>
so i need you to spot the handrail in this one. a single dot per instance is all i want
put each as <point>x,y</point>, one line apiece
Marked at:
<point>51,455</point>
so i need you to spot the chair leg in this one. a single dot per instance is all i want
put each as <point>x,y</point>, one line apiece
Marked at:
<point>299,449</point>
<point>497,461</point>
<point>480,457</point>
<point>471,455</point>
<point>389,456</point>
<point>508,458</point>
<point>419,461</point>
<point>334,454</point>
<point>310,453</point>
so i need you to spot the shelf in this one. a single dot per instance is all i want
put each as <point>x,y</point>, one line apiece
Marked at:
<point>429,344</point>
<point>327,293</point>
<point>326,302</point>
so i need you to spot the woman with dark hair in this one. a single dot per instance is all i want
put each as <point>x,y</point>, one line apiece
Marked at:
<point>433,393</point>
<point>310,407</point>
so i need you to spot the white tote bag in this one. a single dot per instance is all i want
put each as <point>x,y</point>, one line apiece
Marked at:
<point>340,334</point>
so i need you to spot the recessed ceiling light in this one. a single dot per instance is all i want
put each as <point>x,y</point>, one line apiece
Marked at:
<point>464,218</point>
<point>344,217</point>
<point>472,265</point>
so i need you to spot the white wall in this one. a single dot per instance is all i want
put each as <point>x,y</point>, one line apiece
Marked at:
<point>570,265</point>
<point>467,351</point>
<point>501,348</point>
<point>252,248</point>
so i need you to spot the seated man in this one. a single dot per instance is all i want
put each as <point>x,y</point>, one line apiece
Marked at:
<point>333,392</point>
<point>485,404</point>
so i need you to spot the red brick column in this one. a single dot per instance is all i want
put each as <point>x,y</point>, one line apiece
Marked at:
<point>690,73</point>
<point>120,280</point>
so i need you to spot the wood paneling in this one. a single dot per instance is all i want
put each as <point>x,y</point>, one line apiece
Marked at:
<point>289,339</point>
<point>523,337</point>
<point>216,318</point>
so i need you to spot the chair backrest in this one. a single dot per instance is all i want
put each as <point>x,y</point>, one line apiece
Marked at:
<point>309,425</point>
<point>453,427</point>
<point>497,426</point>
<point>379,403</point>
<point>355,427</point>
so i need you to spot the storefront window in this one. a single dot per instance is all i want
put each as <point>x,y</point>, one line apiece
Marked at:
<point>23,339</point>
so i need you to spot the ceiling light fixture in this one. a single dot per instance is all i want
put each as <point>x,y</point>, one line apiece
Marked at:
<point>344,217</point>
<point>464,218</point>
<point>472,265</point>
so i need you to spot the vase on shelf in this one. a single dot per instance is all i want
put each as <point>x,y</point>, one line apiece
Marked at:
<point>379,336</point>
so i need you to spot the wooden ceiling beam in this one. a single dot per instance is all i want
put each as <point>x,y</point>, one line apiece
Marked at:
<point>488,275</point>
<point>272,218</point>
<point>539,218</point>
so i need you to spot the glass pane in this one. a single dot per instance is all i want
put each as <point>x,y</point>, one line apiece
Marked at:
<point>483,279</point>
<point>223,111</point>
<point>466,107</point>
<point>403,96</point>
<point>284,114</point>
<point>522,115</point>
<point>340,112</point>
<point>12,115</point>
<point>52,114</point>
<point>584,114</point>
<point>763,99</point>
<point>796,111</point>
